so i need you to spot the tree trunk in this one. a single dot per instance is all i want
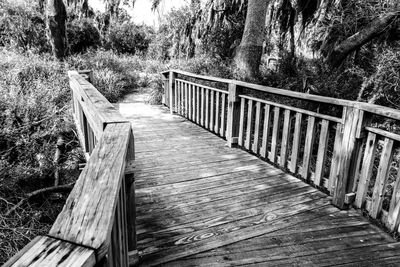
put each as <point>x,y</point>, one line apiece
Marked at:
<point>248,58</point>
<point>112,7</point>
<point>373,30</point>
<point>56,17</point>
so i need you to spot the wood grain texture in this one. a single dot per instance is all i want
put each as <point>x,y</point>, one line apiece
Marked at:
<point>265,136</point>
<point>98,186</point>
<point>249,127</point>
<point>201,203</point>
<point>241,122</point>
<point>393,221</point>
<point>285,138</point>
<point>275,134</point>
<point>257,124</point>
<point>352,119</point>
<point>372,108</point>
<point>47,251</point>
<point>382,177</point>
<point>321,154</point>
<point>98,111</point>
<point>366,170</point>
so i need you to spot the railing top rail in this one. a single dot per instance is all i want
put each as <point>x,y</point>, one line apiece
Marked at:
<point>98,110</point>
<point>81,234</point>
<point>88,213</point>
<point>376,109</point>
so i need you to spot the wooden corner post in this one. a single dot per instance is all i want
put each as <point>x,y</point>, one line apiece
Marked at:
<point>171,91</point>
<point>165,80</point>
<point>353,123</point>
<point>232,131</point>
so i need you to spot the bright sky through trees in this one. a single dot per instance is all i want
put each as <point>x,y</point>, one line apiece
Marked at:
<point>142,12</point>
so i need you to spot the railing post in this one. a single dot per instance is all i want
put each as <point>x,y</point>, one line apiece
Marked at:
<point>232,131</point>
<point>87,74</point>
<point>353,123</point>
<point>131,204</point>
<point>165,80</point>
<point>171,91</point>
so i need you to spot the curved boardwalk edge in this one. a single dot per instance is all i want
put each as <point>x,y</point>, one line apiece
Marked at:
<point>202,203</point>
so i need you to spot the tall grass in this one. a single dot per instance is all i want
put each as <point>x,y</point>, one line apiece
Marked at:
<point>34,111</point>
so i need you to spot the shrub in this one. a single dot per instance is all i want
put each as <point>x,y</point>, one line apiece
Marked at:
<point>34,112</point>
<point>22,27</point>
<point>114,75</point>
<point>82,35</point>
<point>128,38</point>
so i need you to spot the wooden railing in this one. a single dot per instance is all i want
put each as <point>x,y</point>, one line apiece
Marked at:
<point>97,223</point>
<point>332,144</point>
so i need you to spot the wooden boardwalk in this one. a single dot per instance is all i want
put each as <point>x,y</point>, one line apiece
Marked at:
<point>201,203</point>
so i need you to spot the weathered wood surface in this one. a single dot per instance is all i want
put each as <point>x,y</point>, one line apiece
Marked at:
<point>46,251</point>
<point>201,203</point>
<point>376,109</point>
<point>88,215</point>
<point>98,111</point>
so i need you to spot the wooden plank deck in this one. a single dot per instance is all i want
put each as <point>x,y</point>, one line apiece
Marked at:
<point>201,203</point>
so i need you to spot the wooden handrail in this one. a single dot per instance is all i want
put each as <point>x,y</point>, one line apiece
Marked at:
<point>95,225</point>
<point>372,108</point>
<point>297,139</point>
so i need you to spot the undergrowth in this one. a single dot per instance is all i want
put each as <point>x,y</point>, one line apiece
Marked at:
<point>34,112</point>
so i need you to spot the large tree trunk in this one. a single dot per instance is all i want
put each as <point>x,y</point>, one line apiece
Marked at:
<point>373,30</point>
<point>56,17</point>
<point>248,58</point>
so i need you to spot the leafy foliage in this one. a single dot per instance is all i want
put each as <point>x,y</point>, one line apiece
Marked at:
<point>82,35</point>
<point>128,38</point>
<point>22,27</point>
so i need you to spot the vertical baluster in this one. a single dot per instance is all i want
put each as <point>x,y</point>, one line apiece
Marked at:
<point>193,103</point>
<point>190,102</point>
<point>211,126</point>
<point>249,127</point>
<point>335,157</point>
<point>223,108</point>
<point>366,170</point>
<point>241,124</point>
<point>119,221</point>
<point>186,100</point>
<point>182,89</point>
<point>202,106</point>
<point>393,221</point>
<point>275,133</point>
<point>285,137</point>
<point>292,165</point>
<point>176,97</point>
<point>125,223</point>
<point>381,178</point>
<point>115,244</point>
<point>217,116</point>
<point>110,255</point>
<point>321,156</point>
<point>233,115</point>
<point>197,105</point>
<point>264,146</point>
<point>171,91</point>
<point>308,147</point>
<point>207,109</point>
<point>257,128</point>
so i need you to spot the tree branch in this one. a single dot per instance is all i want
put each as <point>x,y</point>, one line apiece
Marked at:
<point>61,188</point>
<point>376,28</point>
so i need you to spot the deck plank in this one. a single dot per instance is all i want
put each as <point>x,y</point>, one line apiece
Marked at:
<point>201,203</point>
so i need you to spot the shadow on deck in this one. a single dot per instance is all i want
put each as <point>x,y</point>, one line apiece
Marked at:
<point>200,202</point>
